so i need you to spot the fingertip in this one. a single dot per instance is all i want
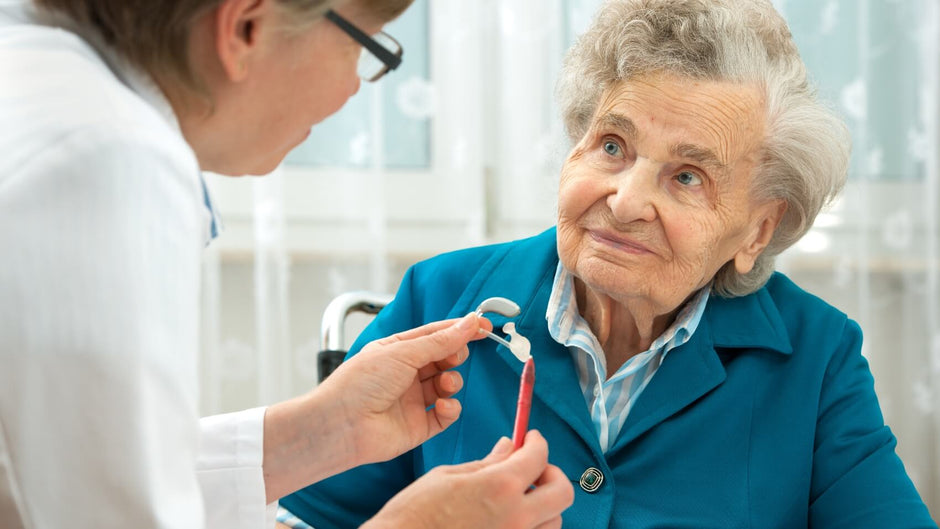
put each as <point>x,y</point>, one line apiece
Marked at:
<point>448,383</point>
<point>457,358</point>
<point>470,321</point>
<point>535,436</point>
<point>483,326</point>
<point>501,450</point>
<point>535,445</point>
<point>456,381</point>
<point>503,446</point>
<point>447,411</point>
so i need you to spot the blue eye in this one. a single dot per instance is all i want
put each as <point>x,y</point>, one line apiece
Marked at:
<point>687,178</point>
<point>611,148</point>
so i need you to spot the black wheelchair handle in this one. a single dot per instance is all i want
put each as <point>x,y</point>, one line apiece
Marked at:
<point>327,362</point>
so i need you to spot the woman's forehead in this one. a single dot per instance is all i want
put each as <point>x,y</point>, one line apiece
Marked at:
<point>716,122</point>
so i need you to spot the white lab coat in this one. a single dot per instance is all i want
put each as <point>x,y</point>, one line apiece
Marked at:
<point>102,222</point>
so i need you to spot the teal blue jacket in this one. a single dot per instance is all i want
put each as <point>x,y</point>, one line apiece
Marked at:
<point>766,418</point>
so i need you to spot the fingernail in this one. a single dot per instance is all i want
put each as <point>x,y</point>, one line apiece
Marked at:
<point>466,321</point>
<point>443,405</point>
<point>503,446</point>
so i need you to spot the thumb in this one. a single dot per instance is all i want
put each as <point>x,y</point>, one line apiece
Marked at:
<point>445,342</point>
<point>501,450</point>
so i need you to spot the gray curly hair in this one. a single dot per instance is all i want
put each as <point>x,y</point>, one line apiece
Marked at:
<point>805,151</point>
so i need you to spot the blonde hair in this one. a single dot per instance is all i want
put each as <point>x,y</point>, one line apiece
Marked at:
<point>154,34</point>
<point>805,152</point>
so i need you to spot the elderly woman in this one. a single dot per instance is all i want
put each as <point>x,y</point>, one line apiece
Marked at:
<point>109,109</point>
<point>680,381</point>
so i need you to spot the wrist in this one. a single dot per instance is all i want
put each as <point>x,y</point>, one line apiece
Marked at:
<point>385,520</point>
<point>374,523</point>
<point>305,441</point>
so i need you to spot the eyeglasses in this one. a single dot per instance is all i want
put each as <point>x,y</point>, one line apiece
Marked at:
<point>380,53</point>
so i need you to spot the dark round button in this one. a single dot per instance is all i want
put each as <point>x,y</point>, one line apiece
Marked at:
<point>591,480</point>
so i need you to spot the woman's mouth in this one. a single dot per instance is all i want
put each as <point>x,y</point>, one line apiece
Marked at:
<point>620,242</point>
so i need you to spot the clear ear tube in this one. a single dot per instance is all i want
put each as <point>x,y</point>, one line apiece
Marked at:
<point>497,338</point>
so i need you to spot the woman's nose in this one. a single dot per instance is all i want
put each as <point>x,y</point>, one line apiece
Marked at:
<point>632,197</point>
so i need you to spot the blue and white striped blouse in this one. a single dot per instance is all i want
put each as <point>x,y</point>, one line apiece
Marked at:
<point>610,400</point>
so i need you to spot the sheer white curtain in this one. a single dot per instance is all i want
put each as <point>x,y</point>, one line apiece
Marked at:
<point>462,146</point>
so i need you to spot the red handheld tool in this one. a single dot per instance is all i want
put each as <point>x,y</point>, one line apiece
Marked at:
<point>524,404</point>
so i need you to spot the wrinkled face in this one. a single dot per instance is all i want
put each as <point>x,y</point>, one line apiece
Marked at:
<point>654,199</point>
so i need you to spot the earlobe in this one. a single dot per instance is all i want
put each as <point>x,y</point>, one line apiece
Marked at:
<point>237,24</point>
<point>769,218</point>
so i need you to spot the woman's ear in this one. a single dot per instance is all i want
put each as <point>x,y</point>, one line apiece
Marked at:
<point>766,219</point>
<point>238,26</point>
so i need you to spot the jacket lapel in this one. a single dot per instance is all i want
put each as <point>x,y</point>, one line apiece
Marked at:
<point>692,370</point>
<point>687,373</point>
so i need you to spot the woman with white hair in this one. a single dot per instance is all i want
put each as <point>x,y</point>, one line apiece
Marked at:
<point>680,381</point>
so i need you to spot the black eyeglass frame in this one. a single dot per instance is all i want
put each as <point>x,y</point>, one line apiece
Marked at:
<point>380,52</point>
